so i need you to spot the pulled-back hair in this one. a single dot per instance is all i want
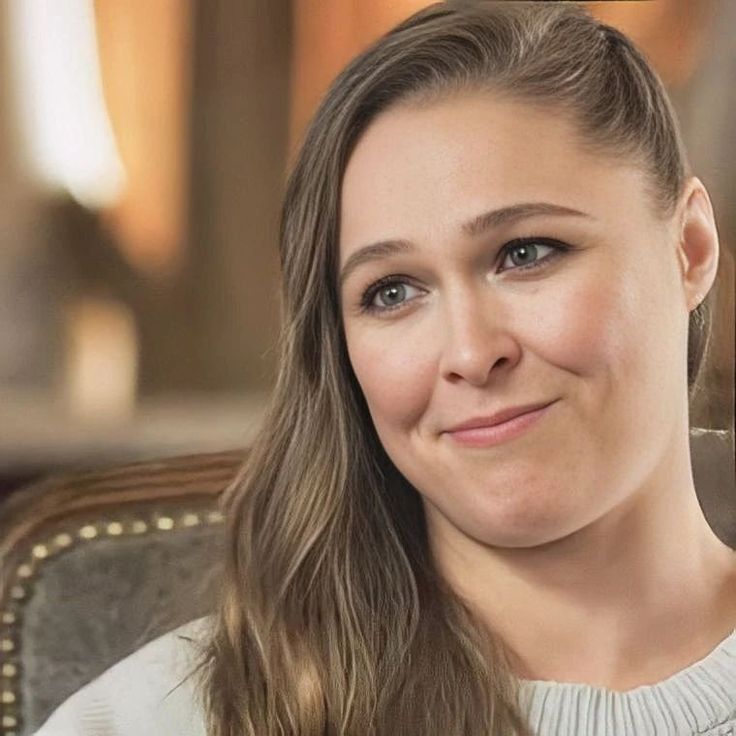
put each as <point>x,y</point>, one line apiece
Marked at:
<point>334,619</point>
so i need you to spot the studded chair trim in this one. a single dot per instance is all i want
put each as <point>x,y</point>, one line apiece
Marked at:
<point>60,514</point>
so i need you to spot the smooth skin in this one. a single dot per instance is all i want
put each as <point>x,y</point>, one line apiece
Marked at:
<point>581,542</point>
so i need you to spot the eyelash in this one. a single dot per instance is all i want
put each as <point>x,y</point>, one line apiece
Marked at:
<point>366,301</point>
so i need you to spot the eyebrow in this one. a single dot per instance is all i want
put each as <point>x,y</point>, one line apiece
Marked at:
<point>472,228</point>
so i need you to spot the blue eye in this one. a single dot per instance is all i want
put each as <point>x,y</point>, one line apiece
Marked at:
<point>526,251</point>
<point>390,292</point>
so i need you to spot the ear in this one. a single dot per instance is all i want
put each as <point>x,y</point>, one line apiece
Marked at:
<point>697,247</point>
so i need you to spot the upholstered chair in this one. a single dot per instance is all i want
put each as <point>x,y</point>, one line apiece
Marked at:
<point>95,565</point>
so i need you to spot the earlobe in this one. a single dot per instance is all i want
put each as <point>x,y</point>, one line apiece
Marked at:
<point>698,243</point>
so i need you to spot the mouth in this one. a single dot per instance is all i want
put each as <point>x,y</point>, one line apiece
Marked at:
<point>498,432</point>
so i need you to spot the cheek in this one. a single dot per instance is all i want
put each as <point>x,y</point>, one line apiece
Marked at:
<point>396,372</point>
<point>613,343</point>
<point>591,329</point>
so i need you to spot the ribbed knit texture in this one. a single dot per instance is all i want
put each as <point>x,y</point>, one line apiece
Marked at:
<point>144,695</point>
<point>700,699</point>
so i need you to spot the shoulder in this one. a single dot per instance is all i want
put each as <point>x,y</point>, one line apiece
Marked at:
<point>152,692</point>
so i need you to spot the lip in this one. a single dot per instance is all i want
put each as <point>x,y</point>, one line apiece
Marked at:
<point>499,427</point>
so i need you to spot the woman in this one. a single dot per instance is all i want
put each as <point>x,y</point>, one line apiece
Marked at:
<point>471,508</point>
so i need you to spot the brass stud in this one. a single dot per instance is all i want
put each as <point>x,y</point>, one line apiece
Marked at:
<point>190,519</point>
<point>40,551</point>
<point>88,532</point>
<point>6,645</point>
<point>9,670</point>
<point>17,592</point>
<point>114,529</point>
<point>25,570</point>
<point>8,617</point>
<point>165,523</point>
<point>139,526</point>
<point>7,697</point>
<point>9,722</point>
<point>63,539</point>
<point>215,517</point>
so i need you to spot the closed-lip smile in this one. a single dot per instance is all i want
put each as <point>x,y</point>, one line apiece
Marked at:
<point>495,429</point>
<point>499,417</point>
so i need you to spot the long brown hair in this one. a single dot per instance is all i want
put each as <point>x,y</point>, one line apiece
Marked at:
<point>333,618</point>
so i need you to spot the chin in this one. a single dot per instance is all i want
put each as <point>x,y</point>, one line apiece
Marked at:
<point>520,523</point>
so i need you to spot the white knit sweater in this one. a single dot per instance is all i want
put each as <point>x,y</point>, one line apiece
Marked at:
<point>147,694</point>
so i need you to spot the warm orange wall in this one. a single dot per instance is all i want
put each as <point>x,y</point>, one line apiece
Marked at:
<point>326,35</point>
<point>145,57</point>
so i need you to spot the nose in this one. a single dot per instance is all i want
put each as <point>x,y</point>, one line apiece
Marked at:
<point>479,340</point>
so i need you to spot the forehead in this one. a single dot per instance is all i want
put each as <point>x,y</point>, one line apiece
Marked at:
<point>442,162</point>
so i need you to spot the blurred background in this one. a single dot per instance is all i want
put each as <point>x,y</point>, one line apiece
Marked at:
<point>144,146</point>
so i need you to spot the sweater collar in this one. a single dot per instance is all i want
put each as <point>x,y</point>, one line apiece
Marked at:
<point>696,699</point>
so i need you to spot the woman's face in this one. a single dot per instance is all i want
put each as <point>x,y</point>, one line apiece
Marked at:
<point>489,261</point>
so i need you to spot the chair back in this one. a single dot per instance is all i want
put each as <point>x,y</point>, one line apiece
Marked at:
<point>96,565</point>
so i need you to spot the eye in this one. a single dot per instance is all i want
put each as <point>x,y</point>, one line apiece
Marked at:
<point>394,292</point>
<point>388,293</point>
<point>524,253</point>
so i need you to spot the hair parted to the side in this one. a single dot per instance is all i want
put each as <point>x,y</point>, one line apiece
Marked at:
<point>333,619</point>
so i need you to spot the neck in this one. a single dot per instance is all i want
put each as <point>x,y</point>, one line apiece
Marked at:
<point>629,600</point>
